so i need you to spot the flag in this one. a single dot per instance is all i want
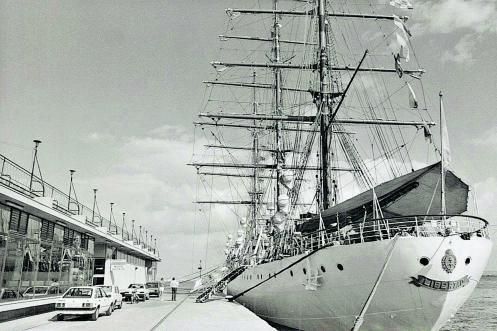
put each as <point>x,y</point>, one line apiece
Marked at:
<point>444,135</point>
<point>398,67</point>
<point>400,23</point>
<point>401,4</point>
<point>413,102</point>
<point>404,49</point>
<point>427,132</point>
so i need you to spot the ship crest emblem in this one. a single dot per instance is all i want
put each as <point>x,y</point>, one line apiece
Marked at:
<point>449,261</point>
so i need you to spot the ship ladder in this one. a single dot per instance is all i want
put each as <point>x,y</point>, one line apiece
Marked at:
<point>360,318</point>
<point>220,285</point>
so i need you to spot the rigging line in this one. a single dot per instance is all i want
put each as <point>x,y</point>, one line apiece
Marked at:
<point>424,99</point>
<point>360,98</point>
<point>210,269</point>
<point>432,197</point>
<point>196,198</point>
<point>210,189</point>
<point>398,129</point>
<point>208,227</point>
<point>379,131</point>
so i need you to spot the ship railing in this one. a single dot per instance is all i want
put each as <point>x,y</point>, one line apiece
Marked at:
<point>465,226</point>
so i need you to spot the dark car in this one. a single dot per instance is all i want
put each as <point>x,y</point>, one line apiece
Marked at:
<point>9,294</point>
<point>140,289</point>
<point>153,288</point>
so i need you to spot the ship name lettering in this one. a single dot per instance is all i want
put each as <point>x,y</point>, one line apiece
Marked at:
<point>439,285</point>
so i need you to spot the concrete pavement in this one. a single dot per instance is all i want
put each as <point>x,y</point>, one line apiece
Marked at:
<point>217,314</point>
<point>182,315</point>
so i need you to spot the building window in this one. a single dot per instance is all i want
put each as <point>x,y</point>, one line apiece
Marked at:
<point>34,227</point>
<point>69,236</point>
<point>47,230</point>
<point>4,218</point>
<point>58,233</point>
<point>23,224</point>
<point>15,215</point>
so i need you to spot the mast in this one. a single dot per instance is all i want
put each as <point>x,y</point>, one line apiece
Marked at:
<point>443,209</point>
<point>323,105</point>
<point>277,102</point>
<point>255,157</point>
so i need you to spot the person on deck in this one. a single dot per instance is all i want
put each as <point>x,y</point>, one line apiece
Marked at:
<point>174,288</point>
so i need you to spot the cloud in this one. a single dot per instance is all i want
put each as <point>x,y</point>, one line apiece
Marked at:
<point>150,181</point>
<point>463,51</point>
<point>99,137</point>
<point>450,15</point>
<point>488,138</point>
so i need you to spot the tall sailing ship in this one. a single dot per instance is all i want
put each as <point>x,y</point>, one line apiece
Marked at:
<point>312,132</point>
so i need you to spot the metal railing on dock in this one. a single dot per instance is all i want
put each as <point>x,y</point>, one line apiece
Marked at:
<point>19,180</point>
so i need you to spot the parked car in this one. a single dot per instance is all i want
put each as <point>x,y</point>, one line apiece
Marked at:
<point>35,291</point>
<point>39,291</point>
<point>84,300</point>
<point>9,294</point>
<point>153,288</point>
<point>117,298</point>
<point>141,290</point>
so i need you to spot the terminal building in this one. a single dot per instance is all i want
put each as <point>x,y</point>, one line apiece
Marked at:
<point>49,239</point>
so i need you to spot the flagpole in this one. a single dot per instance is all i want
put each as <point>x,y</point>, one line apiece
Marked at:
<point>442,168</point>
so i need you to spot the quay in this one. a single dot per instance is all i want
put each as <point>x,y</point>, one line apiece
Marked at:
<point>50,241</point>
<point>154,314</point>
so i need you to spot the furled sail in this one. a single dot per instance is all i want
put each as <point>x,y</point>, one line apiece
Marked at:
<point>416,193</point>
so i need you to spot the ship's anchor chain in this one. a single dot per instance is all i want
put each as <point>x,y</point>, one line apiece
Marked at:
<point>360,318</point>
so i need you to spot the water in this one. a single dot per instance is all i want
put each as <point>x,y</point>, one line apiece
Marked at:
<point>480,311</point>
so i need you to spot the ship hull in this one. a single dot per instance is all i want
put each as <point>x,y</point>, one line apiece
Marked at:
<point>409,296</point>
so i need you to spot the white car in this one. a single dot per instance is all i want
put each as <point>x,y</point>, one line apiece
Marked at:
<point>84,300</point>
<point>117,298</point>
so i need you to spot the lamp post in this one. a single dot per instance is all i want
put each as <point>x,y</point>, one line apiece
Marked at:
<point>111,215</point>
<point>94,205</point>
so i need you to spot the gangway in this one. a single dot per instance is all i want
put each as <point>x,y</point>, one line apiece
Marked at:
<point>220,285</point>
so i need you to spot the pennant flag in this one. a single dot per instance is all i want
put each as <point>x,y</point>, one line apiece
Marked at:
<point>398,68</point>
<point>400,23</point>
<point>444,136</point>
<point>427,132</point>
<point>404,49</point>
<point>401,4</point>
<point>413,102</point>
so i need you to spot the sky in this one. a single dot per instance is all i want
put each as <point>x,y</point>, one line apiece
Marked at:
<point>111,88</point>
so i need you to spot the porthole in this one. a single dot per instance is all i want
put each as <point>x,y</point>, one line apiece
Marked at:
<point>291,273</point>
<point>323,269</point>
<point>468,260</point>
<point>305,271</point>
<point>340,267</point>
<point>424,261</point>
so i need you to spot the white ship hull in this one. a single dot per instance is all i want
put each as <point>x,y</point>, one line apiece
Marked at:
<point>331,299</point>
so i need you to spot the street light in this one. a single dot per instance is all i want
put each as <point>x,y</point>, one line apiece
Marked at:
<point>200,268</point>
